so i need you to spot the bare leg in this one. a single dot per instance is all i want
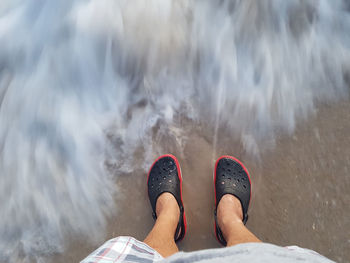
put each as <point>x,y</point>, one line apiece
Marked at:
<point>230,217</point>
<point>161,237</point>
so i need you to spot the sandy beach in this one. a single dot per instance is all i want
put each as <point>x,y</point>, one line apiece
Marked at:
<point>300,191</point>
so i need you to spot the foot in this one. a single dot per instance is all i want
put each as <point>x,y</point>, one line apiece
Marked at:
<point>229,212</point>
<point>229,218</point>
<point>232,194</point>
<point>164,185</point>
<point>167,206</point>
<point>161,238</point>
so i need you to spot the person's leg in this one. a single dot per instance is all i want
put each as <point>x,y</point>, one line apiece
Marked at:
<point>161,237</point>
<point>230,215</point>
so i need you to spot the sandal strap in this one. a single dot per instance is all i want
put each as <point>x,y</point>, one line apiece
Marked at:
<point>180,229</point>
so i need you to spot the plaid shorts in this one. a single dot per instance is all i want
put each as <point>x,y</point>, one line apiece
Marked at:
<point>123,249</point>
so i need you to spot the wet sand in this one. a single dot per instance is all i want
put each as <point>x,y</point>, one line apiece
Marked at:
<point>301,191</point>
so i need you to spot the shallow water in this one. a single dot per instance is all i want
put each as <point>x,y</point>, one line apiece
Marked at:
<point>92,91</point>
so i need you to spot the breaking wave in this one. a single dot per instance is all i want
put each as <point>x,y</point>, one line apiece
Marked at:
<point>85,84</point>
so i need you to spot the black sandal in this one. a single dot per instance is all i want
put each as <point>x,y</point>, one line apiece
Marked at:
<point>165,176</point>
<point>231,177</point>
